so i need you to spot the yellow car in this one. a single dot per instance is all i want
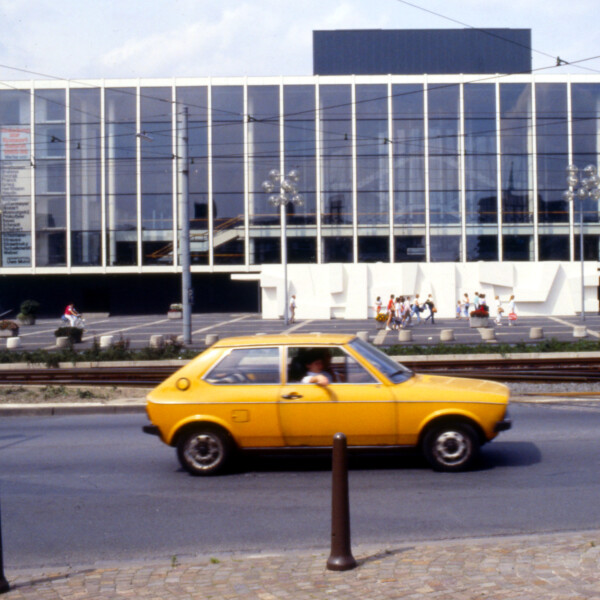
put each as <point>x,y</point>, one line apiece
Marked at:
<point>298,391</point>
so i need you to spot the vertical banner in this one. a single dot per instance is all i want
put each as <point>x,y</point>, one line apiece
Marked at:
<point>15,195</point>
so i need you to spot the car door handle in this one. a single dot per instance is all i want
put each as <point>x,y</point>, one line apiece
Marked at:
<point>292,396</point>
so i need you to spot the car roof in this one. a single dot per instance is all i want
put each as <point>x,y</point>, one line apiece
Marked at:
<point>285,339</point>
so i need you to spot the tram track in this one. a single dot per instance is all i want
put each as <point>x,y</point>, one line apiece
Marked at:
<point>534,370</point>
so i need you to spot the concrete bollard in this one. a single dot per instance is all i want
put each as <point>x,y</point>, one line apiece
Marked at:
<point>579,331</point>
<point>405,335</point>
<point>341,558</point>
<point>62,342</point>
<point>106,341</point>
<point>487,335</point>
<point>447,335</point>
<point>536,333</point>
<point>211,338</point>
<point>363,335</point>
<point>157,341</point>
<point>13,342</point>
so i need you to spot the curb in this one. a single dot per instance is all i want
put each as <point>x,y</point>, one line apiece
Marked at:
<point>52,410</point>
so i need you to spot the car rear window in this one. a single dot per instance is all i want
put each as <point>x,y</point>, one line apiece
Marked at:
<point>246,366</point>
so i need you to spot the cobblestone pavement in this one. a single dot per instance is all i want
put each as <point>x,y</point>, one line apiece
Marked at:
<point>552,567</point>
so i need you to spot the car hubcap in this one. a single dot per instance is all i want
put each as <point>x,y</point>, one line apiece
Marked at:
<point>452,447</point>
<point>204,451</point>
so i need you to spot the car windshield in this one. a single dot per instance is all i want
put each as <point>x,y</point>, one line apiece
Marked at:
<point>390,368</point>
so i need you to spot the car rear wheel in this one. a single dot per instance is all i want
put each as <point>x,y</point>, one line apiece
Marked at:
<point>451,446</point>
<point>204,450</point>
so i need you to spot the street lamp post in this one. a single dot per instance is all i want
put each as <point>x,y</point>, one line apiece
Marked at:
<point>587,187</point>
<point>287,194</point>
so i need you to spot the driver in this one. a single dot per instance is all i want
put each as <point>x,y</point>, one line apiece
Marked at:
<point>315,362</point>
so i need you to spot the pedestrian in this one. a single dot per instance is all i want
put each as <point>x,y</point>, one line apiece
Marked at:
<point>465,305</point>
<point>391,306</point>
<point>378,305</point>
<point>499,310</point>
<point>407,311</point>
<point>512,311</point>
<point>399,304</point>
<point>458,310</point>
<point>415,309</point>
<point>476,301</point>
<point>293,309</point>
<point>431,307</point>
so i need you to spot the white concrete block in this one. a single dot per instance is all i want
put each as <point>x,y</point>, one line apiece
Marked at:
<point>106,341</point>
<point>13,342</point>
<point>157,341</point>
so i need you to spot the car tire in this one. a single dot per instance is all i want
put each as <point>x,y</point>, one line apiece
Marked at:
<point>204,450</point>
<point>451,446</point>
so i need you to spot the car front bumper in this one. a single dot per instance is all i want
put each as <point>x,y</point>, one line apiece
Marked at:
<point>503,425</point>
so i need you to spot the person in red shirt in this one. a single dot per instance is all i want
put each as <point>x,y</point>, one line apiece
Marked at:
<point>391,309</point>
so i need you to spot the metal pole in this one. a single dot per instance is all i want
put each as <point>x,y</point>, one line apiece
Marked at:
<point>341,558</point>
<point>284,260</point>
<point>184,241</point>
<point>4,586</point>
<point>582,259</point>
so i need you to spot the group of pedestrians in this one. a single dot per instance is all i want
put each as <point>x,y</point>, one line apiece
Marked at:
<point>401,310</point>
<point>464,307</point>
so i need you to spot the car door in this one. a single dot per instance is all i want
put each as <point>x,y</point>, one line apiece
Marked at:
<point>355,403</point>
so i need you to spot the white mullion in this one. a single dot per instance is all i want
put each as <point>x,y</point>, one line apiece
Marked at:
<point>282,165</point>
<point>138,171</point>
<point>390,170</point>
<point>211,252</point>
<point>246,160</point>
<point>32,150</point>
<point>354,175</point>
<point>536,241</point>
<point>103,220</point>
<point>318,167</point>
<point>175,175</point>
<point>570,153</point>
<point>426,149</point>
<point>499,172</point>
<point>68,172</point>
<point>461,172</point>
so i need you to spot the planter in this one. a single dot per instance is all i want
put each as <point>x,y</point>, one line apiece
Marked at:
<point>174,314</point>
<point>26,320</point>
<point>478,321</point>
<point>9,333</point>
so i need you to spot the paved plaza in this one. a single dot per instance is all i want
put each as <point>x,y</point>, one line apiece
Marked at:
<point>138,329</point>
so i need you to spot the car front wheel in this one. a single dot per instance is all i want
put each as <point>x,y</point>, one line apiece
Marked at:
<point>203,451</point>
<point>451,447</point>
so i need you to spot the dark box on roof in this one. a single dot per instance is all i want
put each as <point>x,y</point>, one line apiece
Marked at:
<point>418,51</point>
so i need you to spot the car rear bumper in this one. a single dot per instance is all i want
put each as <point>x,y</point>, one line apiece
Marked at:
<point>151,430</point>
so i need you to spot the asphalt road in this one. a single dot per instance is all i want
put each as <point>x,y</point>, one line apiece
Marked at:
<point>136,330</point>
<point>77,490</point>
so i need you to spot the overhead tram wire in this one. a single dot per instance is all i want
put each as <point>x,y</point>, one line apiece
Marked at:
<point>559,61</point>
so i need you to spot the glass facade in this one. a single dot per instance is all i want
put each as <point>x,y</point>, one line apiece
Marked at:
<point>392,169</point>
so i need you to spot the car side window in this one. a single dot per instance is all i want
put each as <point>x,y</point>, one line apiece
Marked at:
<point>333,362</point>
<point>246,366</point>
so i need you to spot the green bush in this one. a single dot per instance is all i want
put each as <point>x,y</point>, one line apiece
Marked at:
<point>29,308</point>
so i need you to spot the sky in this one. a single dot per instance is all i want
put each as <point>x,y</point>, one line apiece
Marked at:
<point>95,39</point>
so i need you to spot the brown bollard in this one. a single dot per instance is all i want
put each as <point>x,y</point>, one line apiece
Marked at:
<point>4,587</point>
<point>341,558</point>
